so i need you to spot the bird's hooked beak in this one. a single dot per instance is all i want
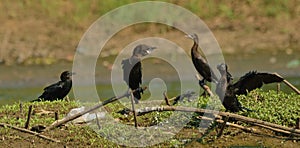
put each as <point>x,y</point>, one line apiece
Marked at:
<point>149,50</point>
<point>72,73</point>
<point>189,36</point>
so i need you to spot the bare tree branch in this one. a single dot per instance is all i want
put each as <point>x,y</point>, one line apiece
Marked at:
<point>257,122</point>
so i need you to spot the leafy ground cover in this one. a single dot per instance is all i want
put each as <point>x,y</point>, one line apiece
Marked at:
<point>115,128</point>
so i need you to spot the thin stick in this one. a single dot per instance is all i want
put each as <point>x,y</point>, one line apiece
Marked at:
<point>205,87</point>
<point>67,98</point>
<point>28,131</point>
<point>56,115</point>
<point>70,118</point>
<point>133,109</point>
<point>275,129</point>
<point>198,110</point>
<point>28,117</point>
<point>278,88</point>
<point>289,84</point>
<point>21,111</point>
<point>247,129</point>
<point>298,123</point>
<point>21,108</point>
<point>166,98</point>
<point>223,126</point>
<point>97,121</point>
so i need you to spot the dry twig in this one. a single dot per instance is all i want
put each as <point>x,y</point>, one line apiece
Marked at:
<point>257,122</point>
<point>28,131</point>
<point>28,117</point>
<point>289,84</point>
<point>70,118</point>
<point>166,98</point>
<point>133,109</point>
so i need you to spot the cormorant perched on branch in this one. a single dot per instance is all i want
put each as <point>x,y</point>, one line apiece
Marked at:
<point>132,69</point>
<point>200,63</point>
<point>58,90</point>
<point>228,92</point>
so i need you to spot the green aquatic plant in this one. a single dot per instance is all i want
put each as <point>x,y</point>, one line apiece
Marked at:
<point>279,108</point>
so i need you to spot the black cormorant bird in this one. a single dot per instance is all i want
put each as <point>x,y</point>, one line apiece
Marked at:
<point>228,92</point>
<point>58,90</point>
<point>200,63</point>
<point>132,69</point>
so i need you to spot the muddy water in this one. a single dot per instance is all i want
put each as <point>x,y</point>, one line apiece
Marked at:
<point>24,83</point>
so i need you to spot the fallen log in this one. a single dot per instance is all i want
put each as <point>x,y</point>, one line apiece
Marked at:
<point>70,118</point>
<point>214,112</point>
<point>29,132</point>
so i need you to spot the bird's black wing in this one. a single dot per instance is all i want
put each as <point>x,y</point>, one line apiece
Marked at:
<point>253,80</point>
<point>126,66</point>
<point>229,77</point>
<point>132,72</point>
<point>135,76</point>
<point>54,86</point>
<point>51,91</point>
<point>203,69</point>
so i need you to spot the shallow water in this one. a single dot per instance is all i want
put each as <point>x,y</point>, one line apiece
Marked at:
<point>105,91</point>
<point>25,83</point>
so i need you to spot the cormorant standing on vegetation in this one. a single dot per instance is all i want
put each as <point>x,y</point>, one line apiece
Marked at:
<point>58,90</point>
<point>228,92</point>
<point>200,63</point>
<point>132,69</point>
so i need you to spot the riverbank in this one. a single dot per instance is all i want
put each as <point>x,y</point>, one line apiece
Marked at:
<point>37,32</point>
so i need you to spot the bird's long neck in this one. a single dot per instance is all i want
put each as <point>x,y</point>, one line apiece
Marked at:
<point>224,75</point>
<point>194,50</point>
<point>223,80</point>
<point>135,59</point>
<point>67,80</point>
<point>222,85</point>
